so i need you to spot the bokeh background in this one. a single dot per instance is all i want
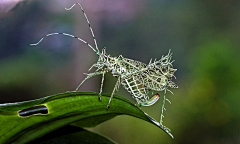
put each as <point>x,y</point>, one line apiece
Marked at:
<point>203,36</point>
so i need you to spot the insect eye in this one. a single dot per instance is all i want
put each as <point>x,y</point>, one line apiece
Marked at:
<point>164,69</point>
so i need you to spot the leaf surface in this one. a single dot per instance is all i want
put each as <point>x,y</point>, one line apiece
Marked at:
<point>77,108</point>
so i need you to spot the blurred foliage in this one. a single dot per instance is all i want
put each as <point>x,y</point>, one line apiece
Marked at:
<point>210,98</point>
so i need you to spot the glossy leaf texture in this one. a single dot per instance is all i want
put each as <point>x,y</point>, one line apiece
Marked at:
<point>82,109</point>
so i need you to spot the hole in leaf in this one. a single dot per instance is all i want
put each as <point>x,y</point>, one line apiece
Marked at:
<point>36,110</point>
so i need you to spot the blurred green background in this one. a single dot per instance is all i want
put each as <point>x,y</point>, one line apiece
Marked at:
<point>203,36</point>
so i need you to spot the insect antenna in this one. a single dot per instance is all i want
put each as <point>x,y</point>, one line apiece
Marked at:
<point>96,50</point>
<point>94,39</point>
<point>66,35</point>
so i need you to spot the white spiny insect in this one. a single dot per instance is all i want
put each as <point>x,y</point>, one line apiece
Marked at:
<point>136,77</point>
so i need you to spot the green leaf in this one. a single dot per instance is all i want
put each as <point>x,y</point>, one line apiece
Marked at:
<point>72,135</point>
<point>63,109</point>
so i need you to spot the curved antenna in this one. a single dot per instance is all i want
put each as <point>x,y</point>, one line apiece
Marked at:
<point>66,35</point>
<point>87,22</point>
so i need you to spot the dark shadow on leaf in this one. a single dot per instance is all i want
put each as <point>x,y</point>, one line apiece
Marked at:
<point>72,135</point>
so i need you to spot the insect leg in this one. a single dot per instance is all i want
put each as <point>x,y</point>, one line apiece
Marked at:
<point>116,86</point>
<point>89,76</point>
<point>164,96</point>
<point>99,96</point>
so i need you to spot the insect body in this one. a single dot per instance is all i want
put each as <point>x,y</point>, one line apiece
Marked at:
<point>136,77</point>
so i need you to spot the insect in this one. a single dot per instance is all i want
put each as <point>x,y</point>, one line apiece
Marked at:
<point>136,77</point>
